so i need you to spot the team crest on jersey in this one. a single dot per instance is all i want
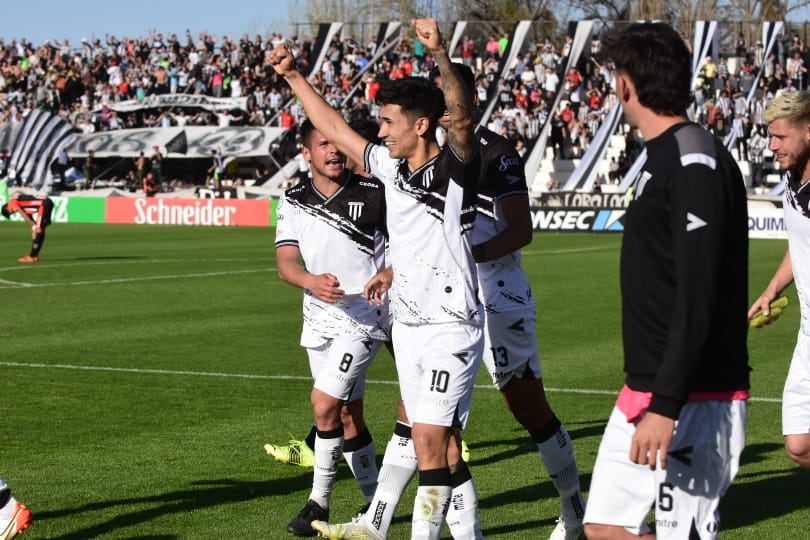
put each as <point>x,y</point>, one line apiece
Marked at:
<point>427,177</point>
<point>355,210</point>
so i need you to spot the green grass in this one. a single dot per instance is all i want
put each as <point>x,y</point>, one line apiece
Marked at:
<point>143,368</point>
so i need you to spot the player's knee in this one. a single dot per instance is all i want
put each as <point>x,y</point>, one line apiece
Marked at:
<point>798,449</point>
<point>430,444</point>
<point>326,411</point>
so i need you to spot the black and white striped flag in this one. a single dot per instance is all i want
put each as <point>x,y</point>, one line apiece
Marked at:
<point>42,137</point>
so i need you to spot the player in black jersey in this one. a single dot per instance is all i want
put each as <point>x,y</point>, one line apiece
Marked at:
<point>502,227</point>
<point>674,438</point>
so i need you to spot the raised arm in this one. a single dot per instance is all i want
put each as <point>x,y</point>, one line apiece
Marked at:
<point>457,99</point>
<point>326,119</point>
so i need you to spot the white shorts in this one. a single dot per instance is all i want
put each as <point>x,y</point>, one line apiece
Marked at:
<point>702,462</point>
<point>437,365</point>
<point>339,366</point>
<point>510,346</point>
<point>796,394</point>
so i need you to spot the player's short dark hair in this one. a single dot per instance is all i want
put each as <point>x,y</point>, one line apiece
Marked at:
<point>463,72</point>
<point>655,57</point>
<point>417,97</point>
<point>305,129</point>
<point>366,127</point>
<point>5,211</point>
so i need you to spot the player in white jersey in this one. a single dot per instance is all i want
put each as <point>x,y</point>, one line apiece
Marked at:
<point>502,227</point>
<point>334,224</point>
<point>788,118</point>
<point>430,197</point>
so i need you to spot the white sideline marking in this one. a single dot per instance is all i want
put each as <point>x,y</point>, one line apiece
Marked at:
<point>570,250</point>
<point>287,377</point>
<point>5,284</point>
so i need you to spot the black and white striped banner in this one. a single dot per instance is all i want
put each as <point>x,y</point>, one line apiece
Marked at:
<point>582,38</point>
<point>42,137</point>
<point>705,44</point>
<point>507,61</point>
<point>587,171</point>
<point>326,31</point>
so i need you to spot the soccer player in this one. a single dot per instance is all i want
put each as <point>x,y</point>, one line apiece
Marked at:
<point>502,227</point>
<point>430,195</point>
<point>788,118</point>
<point>14,516</point>
<point>301,452</point>
<point>334,224</point>
<point>36,211</point>
<point>675,435</point>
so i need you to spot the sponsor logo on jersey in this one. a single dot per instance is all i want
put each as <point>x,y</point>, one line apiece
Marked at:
<point>507,161</point>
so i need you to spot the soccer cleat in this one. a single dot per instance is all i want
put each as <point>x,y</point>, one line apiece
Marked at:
<point>296,453</point>
<point>776,308</point>
<point>301,524</point>
<point>465,451</point>
<point>28,259</point>
<point>18,523</point>
<point>565,531</point>
<point>356,530</point>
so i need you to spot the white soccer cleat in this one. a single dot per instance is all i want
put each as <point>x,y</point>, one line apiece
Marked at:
<point>564,531</point>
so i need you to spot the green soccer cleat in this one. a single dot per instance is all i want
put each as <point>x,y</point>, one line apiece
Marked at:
<point>296,453</point>
<point>465,451</point>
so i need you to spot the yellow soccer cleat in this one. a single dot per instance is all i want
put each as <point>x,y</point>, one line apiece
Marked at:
<point>295,453</point>
<point>465,451</point>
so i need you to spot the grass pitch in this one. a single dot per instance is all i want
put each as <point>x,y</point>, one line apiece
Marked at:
<point>142,368</point>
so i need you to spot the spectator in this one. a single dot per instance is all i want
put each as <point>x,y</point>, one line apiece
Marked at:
<point>151,187</point>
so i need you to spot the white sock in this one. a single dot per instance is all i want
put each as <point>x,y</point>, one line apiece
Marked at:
<point>462,516</point>
<point>557,453</point>
<point>328,447</point>
<point>431,504</point>
<point>362,462</point>
<point>398,467</point>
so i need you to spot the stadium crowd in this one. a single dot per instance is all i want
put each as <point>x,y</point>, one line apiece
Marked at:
<point>81,82</point>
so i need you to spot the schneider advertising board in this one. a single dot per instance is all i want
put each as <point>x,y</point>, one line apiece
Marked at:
<point>214,212</point>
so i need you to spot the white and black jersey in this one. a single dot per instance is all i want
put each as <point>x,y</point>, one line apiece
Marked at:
<point>797,222</point>
<point>343,235</point>
<point>431,212</point>
<point>684,271</point>
<point>504,284</point>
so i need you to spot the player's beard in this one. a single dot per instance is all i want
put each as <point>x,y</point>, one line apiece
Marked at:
<point>800,164</point>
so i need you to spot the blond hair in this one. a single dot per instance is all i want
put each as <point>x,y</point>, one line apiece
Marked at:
<point>792,106</point>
